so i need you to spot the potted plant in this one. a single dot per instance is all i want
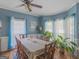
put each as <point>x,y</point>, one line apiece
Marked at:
<point>64,46</point>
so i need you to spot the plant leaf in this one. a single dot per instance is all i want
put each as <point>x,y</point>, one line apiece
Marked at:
<point>74,43</point>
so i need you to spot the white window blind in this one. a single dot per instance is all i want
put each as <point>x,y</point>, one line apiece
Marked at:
<point>49,26</point>
<point>70,27</point>
<point>59,26</point>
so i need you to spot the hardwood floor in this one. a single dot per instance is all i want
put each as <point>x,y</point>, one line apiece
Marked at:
<point>13,55</point>
<point>9,54</point>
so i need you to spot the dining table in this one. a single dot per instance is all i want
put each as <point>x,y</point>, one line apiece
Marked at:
<point>34,47</point>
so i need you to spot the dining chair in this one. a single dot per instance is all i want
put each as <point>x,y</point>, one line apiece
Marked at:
<point>49,52</point>
<point>21,54</point>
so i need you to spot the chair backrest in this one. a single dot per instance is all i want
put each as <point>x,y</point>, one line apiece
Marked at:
<point>22,36</point>
<point>49,50</point>
<point>21,54</point>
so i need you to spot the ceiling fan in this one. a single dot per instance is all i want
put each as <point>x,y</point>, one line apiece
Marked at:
<point>28,4</point>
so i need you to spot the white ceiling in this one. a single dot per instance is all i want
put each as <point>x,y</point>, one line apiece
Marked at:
<point>50,7</point>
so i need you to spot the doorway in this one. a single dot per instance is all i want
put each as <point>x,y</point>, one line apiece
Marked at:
<point>17,27</point>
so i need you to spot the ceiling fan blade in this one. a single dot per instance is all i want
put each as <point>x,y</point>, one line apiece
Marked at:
<point>29,7</point>
<point>35,5</point>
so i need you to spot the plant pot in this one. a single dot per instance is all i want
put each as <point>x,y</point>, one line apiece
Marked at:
<point>62,54</point>
<point>62,51</point>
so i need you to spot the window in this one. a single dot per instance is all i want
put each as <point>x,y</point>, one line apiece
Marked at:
<point>59,26</point>
<point>62,27</point>
<point>49,26</point>
<point>70,27</point>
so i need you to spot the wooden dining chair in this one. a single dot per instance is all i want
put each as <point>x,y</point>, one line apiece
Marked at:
<point>21,54</point>
<point>49,52</point>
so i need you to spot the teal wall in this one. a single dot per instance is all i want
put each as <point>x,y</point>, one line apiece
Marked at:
<point>5,24</point>
<point>29,20</point>
<point>11,13</point>
<point>77,22</point>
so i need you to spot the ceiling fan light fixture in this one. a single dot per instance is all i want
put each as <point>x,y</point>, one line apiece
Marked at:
<point>28,4</point>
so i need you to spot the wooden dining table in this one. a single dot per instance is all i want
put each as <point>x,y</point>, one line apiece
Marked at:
<point>34,47</point>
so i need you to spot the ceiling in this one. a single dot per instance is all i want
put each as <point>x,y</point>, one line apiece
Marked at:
<point>50,7</point>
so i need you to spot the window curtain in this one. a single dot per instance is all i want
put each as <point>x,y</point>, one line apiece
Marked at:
<point>70,27</point>
<point>49,26</point>
<point>59,27</point>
